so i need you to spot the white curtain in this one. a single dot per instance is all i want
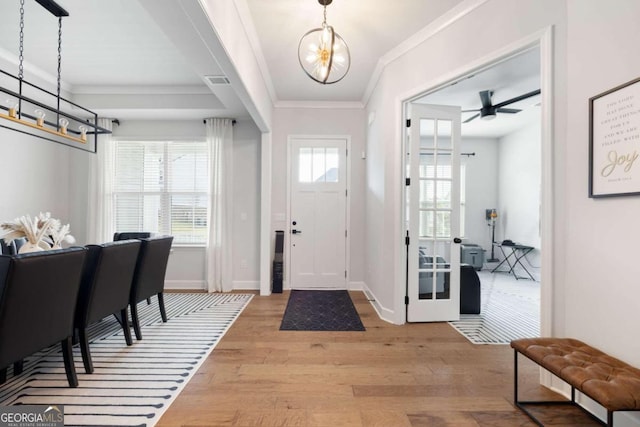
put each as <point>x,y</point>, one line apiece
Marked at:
<point>100,209</point>
<point>219,140</point>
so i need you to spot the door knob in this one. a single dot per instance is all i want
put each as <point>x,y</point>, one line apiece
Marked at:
<point>457,240</point>
<point>294,231</point>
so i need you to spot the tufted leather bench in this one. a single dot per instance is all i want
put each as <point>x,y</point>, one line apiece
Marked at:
<point>611,382</point>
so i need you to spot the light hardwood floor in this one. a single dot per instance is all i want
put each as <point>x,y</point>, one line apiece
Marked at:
<point>390,375</point>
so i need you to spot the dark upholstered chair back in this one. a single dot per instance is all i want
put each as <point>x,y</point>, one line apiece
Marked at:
<point>38,294</point>
<point>106,280</point>
<point>105,289</point>
<point>131,235</point>
<point>151,268</point>
<point>148,280</point>
<point>7,248</point>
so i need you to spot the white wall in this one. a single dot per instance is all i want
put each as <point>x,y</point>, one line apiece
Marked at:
<point>519,186</point>
<point>36,177</point>
<point>322,121</point>
<point>481,187</point>
<point>519,180</point>
<point>246,205</point>
<point>601,283</point>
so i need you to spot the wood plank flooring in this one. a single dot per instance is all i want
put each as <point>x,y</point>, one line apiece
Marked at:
<point>411,375</point>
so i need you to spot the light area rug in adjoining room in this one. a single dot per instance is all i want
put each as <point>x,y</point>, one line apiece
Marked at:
<point>131,386</point>
<point>510,309</point>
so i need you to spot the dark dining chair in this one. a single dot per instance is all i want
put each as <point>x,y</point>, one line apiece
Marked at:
<point>126,235</point>
<point>105,289</point>
<point>7,248</point>
<point>148,279</point>
<point>38,295</point>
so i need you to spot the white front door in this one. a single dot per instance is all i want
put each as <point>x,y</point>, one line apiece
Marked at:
<point>433,213</point>
<point>317,220</point>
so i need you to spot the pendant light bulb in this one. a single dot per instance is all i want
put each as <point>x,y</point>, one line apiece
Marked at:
<point>40,117</point>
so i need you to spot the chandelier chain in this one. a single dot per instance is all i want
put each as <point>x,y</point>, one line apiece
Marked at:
<point>59,52</point>
<point>21,47</point>
<point>324,21</point>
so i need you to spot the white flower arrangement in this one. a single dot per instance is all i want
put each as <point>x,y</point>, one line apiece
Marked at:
<point>42,232</point>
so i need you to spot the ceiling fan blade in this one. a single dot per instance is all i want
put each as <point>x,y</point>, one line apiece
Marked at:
<point>471,118</point>
<point>518,98</point>
<point>470,111</point>
<point>485,98</point>
<point>508,110</point>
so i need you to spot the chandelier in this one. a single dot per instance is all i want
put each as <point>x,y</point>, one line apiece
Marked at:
<point>323,54</point>
<point>35,111</point>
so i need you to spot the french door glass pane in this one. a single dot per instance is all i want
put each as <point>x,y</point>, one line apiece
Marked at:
<point>444,134</point>
<point>427,128</point>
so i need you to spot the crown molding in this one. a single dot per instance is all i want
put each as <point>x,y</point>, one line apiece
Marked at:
<point>333,105</point>
<point>141,90</point>
<point>421,36</point>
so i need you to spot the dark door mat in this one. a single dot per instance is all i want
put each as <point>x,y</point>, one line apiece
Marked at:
<point>320,311</point>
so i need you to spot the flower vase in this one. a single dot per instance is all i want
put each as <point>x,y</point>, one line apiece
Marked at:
<point>29,247</point>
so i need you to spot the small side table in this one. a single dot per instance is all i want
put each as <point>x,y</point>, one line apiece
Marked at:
<point>513,255</point>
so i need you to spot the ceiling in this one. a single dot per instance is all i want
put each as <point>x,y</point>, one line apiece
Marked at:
<point>133,59</point>
<point>508,79</point>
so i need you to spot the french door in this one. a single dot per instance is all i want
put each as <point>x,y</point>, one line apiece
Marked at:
<point>318,184</point>
<point>433,213</point>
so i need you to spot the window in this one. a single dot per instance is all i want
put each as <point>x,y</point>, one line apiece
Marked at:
<point>318,164</point>
<point>162,187</point>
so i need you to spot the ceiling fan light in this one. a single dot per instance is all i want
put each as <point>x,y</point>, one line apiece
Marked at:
<point>488,116</point>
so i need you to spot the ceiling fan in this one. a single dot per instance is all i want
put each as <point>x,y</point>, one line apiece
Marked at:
<point>489,111</point>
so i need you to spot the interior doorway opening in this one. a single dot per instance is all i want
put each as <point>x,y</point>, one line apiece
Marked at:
<point>508,201</point>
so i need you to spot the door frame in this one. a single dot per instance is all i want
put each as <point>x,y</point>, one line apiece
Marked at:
<point>287,247</point>
<point>543,39</point>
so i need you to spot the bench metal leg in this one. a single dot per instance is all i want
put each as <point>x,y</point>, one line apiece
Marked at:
<point>522,404</point>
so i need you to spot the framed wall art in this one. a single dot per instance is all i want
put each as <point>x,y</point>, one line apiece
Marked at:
<point>614,141</point>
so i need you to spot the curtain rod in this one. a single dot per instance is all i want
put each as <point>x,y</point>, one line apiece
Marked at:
<point>448,154</point>
<point>233,121</point>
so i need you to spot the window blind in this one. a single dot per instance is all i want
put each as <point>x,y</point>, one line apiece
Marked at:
<point>162,187</point>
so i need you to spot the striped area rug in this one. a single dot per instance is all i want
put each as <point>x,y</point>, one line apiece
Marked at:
<point>508,311</point>
<point>131,386</point>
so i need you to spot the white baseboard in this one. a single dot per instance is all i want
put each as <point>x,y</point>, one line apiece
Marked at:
<point>384,313</point>
<point>246,285</point>
<point>185,284</point>
<point>356,286</point>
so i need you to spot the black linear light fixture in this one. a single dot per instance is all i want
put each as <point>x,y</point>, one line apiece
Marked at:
<point>35,111</point>
<point>323,54</point>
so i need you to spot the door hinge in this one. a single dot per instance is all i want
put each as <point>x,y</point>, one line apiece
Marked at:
<point>406,240</point>
<point>345,274</point>
<point>346,152</point>
<point>408,123</point>
<point>406,300</point>
<point>407,181</point>
<point>346,193</point>
<point>345,233</point>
